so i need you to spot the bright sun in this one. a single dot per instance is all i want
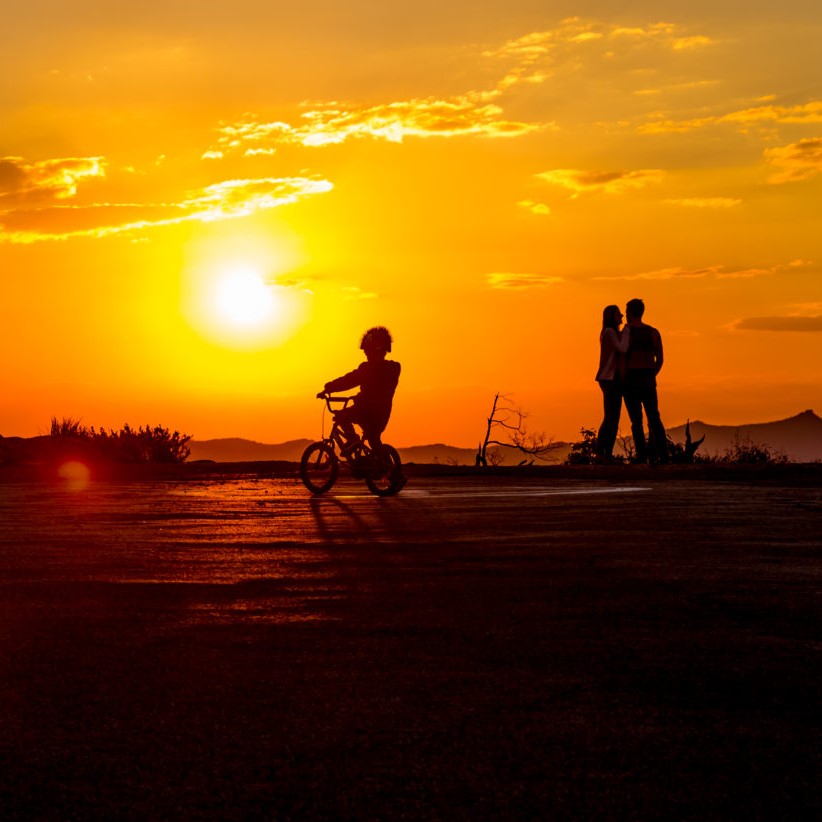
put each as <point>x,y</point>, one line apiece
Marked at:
<point>244,301</point>
<point>237,306</point>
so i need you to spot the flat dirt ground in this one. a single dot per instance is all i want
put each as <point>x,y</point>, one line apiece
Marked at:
<point>644,645</point>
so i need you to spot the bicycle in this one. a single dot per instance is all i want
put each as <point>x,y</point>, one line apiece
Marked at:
<point>320,464</point>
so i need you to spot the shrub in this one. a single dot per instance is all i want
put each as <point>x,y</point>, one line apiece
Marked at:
<point>143,444</point>
<point>744,451</point>
<point>583,452</point>
<point>67,427</point>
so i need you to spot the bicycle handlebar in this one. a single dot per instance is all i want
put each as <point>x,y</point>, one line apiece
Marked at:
<point>329,399</point>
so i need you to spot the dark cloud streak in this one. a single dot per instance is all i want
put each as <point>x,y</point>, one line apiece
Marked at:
<point>811,324</point>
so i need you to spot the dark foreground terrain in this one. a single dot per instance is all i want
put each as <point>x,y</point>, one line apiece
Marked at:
<point>476,648</point>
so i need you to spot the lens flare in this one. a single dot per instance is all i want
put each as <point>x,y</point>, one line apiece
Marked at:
<point>76,475</point>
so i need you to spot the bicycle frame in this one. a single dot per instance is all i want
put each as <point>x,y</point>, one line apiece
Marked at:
<point>336,438</point>
<point>380,466</point>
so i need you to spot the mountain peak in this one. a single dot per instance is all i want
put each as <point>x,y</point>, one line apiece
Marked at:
<point>799,437</point>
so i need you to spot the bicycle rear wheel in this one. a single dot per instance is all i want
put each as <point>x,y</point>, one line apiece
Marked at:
<point>319,467</point>
<point>386,478</point>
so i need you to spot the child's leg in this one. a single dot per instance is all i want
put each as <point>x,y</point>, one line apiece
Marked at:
<point>346,419</point>
<point>371,433</point>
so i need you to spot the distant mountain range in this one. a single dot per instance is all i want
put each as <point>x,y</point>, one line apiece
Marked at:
<point>240,450</point>
<point>798,437</point>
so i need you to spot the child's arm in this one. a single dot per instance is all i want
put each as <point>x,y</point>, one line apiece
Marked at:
<point>350,380</point>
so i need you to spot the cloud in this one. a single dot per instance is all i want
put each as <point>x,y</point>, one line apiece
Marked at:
<point>694,42</point>
<point>507,281</point>
<point>718,272</point>
<point>789,323</point>
<point>528,59</point>
<point>608,182</point>
<point>540,209</point>
<point>335,123</point>
<point>353,292</point>
<point>652,31</point>
<point>535,55</point>
<point>575,30</point>
<point>798,161</point>
<point>706,202</point>
<point>677,273</point>
<point>228,199</point>
<point>676,87</point>
<point>806,113</point>
<point>45,181</point>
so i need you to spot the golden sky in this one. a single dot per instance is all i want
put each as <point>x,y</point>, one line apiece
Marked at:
<point>203,205</point>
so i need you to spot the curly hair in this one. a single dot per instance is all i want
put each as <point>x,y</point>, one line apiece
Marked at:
<point>378,338</point>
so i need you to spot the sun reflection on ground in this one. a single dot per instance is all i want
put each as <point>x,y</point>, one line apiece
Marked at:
<point>76,475</point>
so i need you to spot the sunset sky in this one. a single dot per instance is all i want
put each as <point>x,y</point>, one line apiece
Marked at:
<point>203,205</point>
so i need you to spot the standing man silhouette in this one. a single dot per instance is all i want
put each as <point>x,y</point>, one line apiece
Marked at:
<point>642,363</point>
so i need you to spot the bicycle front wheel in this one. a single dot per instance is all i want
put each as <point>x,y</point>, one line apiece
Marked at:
<point>386,478</point>
<point>319,467</point>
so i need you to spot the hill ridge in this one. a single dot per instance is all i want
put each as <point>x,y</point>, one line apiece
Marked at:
<point>798,436</point>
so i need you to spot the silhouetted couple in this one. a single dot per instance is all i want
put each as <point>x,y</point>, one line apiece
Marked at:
<point>629,360</point>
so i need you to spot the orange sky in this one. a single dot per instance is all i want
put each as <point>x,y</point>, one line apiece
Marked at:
<point>202,206</point>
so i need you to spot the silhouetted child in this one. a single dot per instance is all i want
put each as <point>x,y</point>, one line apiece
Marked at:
<point>377,379</point>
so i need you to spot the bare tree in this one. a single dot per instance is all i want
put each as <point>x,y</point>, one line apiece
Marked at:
<point>510,419</point>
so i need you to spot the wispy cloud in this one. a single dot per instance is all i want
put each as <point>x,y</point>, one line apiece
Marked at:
<point>508,281</point>
<point>540,209</point>
<point>798,161</point>
<point>787,323</point>
<point>25,219</point>
<point>806,113</point>
<point>697,41</point>
<point>608,182</point>
<point>239,198</point>
<point>719,272</point>
<point>528,59</point>
<point>677,87</point>
<point>45,181</point>
<point>536,55</point>
<point>335,123</point>
<point>353,292</point>
<point>533,48</point>
<point>706,202</point>
<point>675,273</point>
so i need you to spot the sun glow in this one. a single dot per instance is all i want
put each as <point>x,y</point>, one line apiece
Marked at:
<point>237,306</point>
<point>243,300</point>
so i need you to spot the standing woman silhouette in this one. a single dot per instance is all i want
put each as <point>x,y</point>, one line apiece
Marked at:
<point>613,344</point>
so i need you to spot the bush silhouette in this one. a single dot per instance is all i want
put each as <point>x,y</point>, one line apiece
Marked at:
<point>144,444</point>
<point>583,452</point>
<point>744,451</point>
